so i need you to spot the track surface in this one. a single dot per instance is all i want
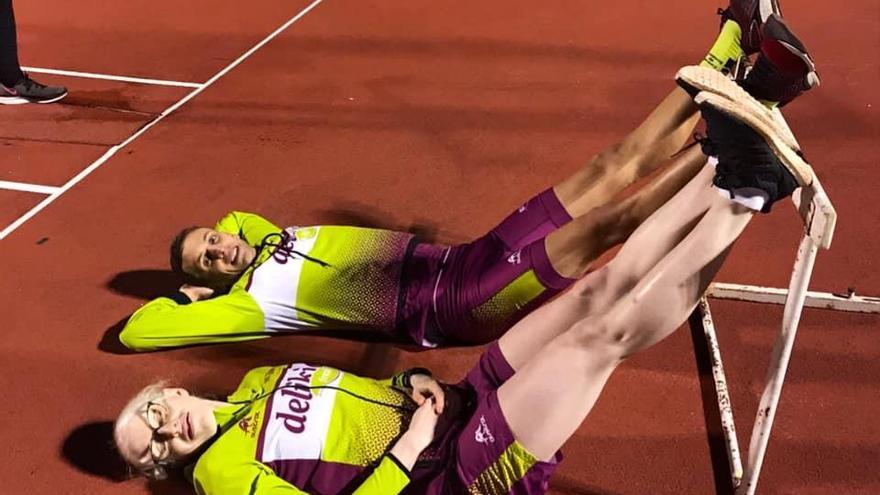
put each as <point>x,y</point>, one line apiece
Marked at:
<point>447,114</point>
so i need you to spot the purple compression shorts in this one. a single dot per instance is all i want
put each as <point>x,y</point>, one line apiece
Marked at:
<point>472,293</point>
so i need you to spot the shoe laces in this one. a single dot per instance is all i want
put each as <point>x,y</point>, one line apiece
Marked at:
<point>706,144</point>
<point>736,145</point>
<point>281,246</point>
<point>30,83</point>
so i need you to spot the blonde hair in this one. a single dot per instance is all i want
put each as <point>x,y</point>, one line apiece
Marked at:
<point>137,407</point>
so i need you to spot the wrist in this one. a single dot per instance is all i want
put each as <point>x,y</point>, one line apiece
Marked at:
<point>406,450</point>
<point>404,380</point>
<point>181,297</point>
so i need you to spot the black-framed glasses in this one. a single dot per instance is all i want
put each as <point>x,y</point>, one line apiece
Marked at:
<point>157,416</point>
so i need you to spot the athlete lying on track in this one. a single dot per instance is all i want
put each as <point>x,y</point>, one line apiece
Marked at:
<point>310,429</point>
<point>257,280</point>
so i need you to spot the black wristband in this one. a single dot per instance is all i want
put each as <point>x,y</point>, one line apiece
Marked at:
<point>408,374</point>
<point>403,468</point>
<point>402,379</point>
<point>180,298</point>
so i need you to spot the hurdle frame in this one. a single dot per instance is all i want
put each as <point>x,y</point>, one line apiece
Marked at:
<point>819,218</point>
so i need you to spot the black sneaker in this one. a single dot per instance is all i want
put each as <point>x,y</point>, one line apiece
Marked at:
<point>29,91</point>
<point>746,161</point>
<point>751,16</point>
<point>783,69</point>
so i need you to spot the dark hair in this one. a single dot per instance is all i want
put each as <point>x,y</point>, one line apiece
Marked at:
<point>176,251</point>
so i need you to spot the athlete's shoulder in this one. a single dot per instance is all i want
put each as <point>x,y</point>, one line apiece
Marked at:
<point>256,382</point>
<point>249,226</point>
<point>223,469</point>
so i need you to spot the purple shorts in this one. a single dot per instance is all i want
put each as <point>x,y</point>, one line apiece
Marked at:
<point>472,293</point>
<point>488,459</point>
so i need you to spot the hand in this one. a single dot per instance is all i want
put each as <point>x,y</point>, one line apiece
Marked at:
<point>196,292</point>
<point>425,387</point>
<point>419,435</point>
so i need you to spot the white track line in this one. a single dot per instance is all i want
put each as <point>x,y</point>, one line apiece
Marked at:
<point>111,77</point>
<point>23,186</point>
<point>112,151</point>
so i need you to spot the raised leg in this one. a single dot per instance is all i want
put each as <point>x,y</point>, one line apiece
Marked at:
<point>562,382</point>
<point>597,291</point>
<point>651,144</point>
<point>575,246</point>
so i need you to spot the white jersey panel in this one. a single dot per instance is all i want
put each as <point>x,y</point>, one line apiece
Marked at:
<point>298,419</point>
<point>274,284</point>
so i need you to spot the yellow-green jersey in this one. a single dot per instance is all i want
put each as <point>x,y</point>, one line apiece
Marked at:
<point>320,277</point>
<point>302,429</point>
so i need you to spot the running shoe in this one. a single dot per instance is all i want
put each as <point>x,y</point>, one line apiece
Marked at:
<point>751,16</point>
<point>695,79</point>
<point>750,156</point>
<point>29,91</point>
<point>783,69</point>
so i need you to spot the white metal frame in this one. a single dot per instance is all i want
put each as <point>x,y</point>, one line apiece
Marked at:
<point>819,219</point>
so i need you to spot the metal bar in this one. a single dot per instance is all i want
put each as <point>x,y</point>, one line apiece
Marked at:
<point>800,279</point>
<point>772,295</point>
<point>721,392</point>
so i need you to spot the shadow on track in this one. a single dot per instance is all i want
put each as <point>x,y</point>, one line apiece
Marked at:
<point>145,284</point>
<point>110,340</point>
<point>90,449</point>
<point>714,431</point>
<point>359,215</point>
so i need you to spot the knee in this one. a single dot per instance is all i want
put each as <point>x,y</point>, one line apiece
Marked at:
<point>613,223</point>
<point>601,334</point>
<point>613,157</point>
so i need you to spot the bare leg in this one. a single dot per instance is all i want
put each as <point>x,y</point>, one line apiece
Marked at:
<point>591,349</point>
<point>661,135</point>
<point>575,246</point>
<point>597,291</point>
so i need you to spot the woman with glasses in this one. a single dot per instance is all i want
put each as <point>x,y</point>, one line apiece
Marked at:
<point>317,430</point>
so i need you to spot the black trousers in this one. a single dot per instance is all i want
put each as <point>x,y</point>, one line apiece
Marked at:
<point>10,70</point>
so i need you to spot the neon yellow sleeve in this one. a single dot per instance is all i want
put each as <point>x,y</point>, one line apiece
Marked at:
<point>162,322</point>
<point>389,478</point>
<point>257,479</point>
<point>250,227</point>
<point>240,479</point>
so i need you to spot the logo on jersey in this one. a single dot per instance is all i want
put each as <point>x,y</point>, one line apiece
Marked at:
<point>249,426</point>
<point>295,398</point>
<point>296,422</point>
<point>515,258</point>
<point>483,434</point>
<point>522,208</point>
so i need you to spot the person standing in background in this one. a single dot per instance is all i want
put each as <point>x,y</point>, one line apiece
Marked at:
<point>16,87</point>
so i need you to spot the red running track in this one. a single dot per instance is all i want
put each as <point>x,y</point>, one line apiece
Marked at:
<point>447,114</point>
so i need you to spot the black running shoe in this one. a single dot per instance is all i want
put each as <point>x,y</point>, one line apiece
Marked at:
<point>29,91</point>
<point>745,160</point>
<point>783,69</point>
<point>751,16</point>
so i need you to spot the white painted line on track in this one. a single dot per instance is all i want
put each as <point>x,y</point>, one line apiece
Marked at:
<point>112,151</point>
<point>23,186</point>
<point>112,77</point>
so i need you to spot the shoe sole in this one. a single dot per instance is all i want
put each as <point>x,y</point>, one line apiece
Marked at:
<point>712,81</point>
<point>12,100</point>
<point>52,100</point>
<point>799,169</point>
<point>20,100</point>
